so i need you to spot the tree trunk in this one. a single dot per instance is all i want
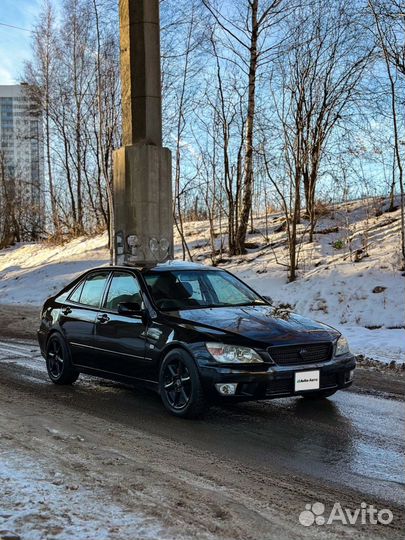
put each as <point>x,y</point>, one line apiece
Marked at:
<point>293,228</point>
<point>248,168</point>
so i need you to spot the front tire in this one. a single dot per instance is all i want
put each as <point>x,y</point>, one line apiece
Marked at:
<point>320,394</point>
<point>58,362</point>
<point>180,386</point>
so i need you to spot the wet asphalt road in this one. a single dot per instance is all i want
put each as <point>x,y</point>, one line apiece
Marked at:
<point>352,441</point>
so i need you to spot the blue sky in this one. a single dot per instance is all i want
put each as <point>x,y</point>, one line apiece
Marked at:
<point>15,44</point>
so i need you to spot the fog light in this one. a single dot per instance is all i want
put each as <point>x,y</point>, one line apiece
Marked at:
<point>351,374</point>
<point>227,389</point>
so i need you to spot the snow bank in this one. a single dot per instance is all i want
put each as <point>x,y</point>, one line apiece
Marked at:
<point>29,273</point>
<point>382,344</point>
<point>364,299</point>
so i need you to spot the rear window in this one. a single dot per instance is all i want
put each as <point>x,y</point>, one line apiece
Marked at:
<point>75,296</point>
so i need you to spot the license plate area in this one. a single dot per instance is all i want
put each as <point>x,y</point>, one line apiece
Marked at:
<point>306,380</point>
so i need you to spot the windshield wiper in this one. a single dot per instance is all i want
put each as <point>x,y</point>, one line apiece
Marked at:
<point>254,303</point>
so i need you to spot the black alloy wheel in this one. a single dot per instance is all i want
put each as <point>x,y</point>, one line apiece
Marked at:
<point>55,359</point>
<point>180,386</point>
<point>177,383</point>
<point>58,363</point>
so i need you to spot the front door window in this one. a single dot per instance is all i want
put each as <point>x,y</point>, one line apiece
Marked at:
<point>124,288</point>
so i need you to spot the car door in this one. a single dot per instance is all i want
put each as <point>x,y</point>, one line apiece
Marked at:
<point>120,339</point>
<point>78,316</point>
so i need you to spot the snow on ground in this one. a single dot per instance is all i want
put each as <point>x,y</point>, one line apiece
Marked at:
<point>31,272</point>
<point>382,344</point>
<point>363,299</point>
<point>39,503</point>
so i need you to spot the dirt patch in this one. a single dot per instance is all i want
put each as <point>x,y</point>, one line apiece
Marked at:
<point>377,365</point>
<point>379,382</point>
<point>19,321</point>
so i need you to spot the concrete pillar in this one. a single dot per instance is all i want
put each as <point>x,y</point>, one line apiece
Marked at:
<point>142,167</point>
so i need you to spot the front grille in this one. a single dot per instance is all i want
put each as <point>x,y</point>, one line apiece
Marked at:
<point>310,353</point>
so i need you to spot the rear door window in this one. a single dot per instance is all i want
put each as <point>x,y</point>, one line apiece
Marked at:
<point>91,293</point>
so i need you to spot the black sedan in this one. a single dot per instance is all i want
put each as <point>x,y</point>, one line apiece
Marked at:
<point>196,334</point>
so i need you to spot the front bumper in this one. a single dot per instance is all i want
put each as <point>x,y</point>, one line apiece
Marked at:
<point>275,381</point>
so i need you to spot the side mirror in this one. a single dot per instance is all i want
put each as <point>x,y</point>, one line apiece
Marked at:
<point>130,308</point>
<point>267,298</point>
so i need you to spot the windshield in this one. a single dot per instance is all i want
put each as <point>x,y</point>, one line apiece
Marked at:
<point>188,289</point>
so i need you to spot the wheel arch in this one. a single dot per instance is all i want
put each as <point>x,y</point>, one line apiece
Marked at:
<point>171,347</point>
<point>52,332</point>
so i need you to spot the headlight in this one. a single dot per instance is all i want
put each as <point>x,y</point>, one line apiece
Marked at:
<point>233,354</point>
<point>342,346</point>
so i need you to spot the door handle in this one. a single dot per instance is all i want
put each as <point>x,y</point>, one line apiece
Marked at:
<point>66,310</point>
<point>103,317</point>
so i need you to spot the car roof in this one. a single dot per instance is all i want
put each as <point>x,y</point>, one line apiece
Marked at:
<point>162,267</point>
<point>178,265</point>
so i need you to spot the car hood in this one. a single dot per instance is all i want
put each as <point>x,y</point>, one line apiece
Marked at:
<point>264,324</point>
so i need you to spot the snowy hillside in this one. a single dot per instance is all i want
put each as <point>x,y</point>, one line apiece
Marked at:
<point>331,286</point>
<point>365,299</point>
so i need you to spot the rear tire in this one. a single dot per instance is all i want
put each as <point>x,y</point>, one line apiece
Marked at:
<point>180,386</point>
<point>320,394</point>
<point>58,361</point>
